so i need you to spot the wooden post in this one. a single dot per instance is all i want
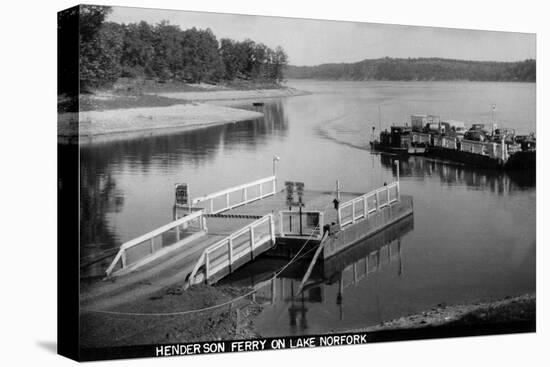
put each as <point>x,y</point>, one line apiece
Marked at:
<point>261,190</point>
<point>273,289</point>
<point>152,242</point>
<point>227,200</point>
<point>398,193</point>
<point>365,207</point>
<point>377,201</point>
<point>178,233</point>
<point>252,242</point>
<point>272,229</point>
<point>123,258</point>
<point>230,245</point>
<point>274,185</point>
<point>211,206</point>
<point>388,194</point>
<point>353,212</point>
<point>206,266</point>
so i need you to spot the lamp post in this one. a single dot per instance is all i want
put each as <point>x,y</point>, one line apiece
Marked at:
<point>276,158</point>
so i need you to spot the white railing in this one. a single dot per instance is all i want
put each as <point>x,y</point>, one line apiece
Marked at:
<point>160,241</point>
<point>237,196</point>
<point>369,203</point>
<point>224,253</point>
<point>311,223</point>
<point>420,138</point>
<point>491,149</point>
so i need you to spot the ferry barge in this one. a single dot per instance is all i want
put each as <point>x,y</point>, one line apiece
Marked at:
<point>429,135</point>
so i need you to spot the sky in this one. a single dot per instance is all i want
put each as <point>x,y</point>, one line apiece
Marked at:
<point>314,42</point>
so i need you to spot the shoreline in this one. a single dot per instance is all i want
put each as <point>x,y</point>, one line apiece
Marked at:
<point>225,95</point>
<point>236,320</point>
<point>186,114</point>
<point>505,314</point>
<point>92,126</point>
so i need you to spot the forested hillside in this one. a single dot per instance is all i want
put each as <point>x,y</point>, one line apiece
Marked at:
<point>418,69</point>
<point>162,51</point>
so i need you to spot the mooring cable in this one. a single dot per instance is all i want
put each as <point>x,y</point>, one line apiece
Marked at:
<point>180,313</point>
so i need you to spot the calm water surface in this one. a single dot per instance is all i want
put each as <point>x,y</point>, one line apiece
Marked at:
<point>473,232</point>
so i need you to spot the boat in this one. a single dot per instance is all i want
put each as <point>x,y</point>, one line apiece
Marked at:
<point>399,140</point>
<point>429,135</point>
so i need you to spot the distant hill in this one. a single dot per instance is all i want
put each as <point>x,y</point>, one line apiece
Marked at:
<point>417,69</point>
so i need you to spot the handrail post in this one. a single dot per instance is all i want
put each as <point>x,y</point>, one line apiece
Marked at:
<point>230,245</point>
<point>353,212</point>
<point>272,229</point>
<point>152,242</point>
<point>261,191</point>
<point>377,201</point>
<point>388,194</point>
<point>206,266</point>
<point>244,195</point>
<point>365,207</point>
<point>123,258</point>
<point>211,206</point>
<point>398,192</point>
<point>227,200</point>
<point>252,242</point>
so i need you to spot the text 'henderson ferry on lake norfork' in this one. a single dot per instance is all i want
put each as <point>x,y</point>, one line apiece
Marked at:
<point>429,135</point>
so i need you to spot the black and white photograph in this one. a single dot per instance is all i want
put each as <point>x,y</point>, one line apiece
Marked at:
<point>247,182</point>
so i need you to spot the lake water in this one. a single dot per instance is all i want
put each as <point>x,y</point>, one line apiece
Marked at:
<point>472,237</point>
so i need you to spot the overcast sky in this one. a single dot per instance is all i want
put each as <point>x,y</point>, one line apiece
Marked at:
<point>313,42</point>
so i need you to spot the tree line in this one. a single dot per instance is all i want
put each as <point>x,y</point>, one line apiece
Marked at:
<point>108,51</point>
<point>418,69</point>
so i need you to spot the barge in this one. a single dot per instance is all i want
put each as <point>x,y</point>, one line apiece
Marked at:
<point>429,135</point>
<point>213,235</point>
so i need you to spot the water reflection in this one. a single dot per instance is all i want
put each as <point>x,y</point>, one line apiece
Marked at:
<point>100,163</point>
<point>330,281</point>
<point>451,174</point>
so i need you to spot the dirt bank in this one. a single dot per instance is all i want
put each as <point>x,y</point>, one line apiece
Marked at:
<point>232,321</point>
<point>509,315</point>
<point>95,124</point>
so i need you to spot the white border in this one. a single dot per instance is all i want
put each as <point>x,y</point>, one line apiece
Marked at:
<point>29,181</point>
